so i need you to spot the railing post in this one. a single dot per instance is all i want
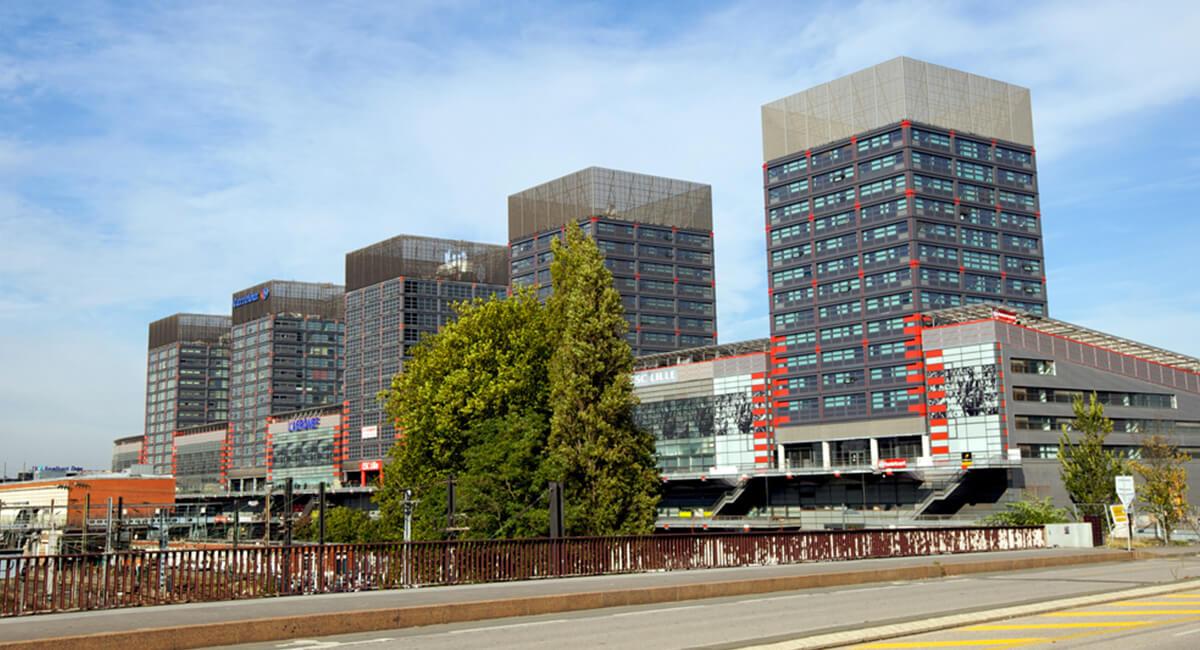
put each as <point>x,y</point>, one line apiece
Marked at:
<point>321,536</point>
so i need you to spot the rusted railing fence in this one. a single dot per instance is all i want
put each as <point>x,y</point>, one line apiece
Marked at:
<point>57,583</point>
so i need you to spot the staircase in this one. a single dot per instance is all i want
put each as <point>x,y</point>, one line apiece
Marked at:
<point>730,496</point>
<point>943,487</point>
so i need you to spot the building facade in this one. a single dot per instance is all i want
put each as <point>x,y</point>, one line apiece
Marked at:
<point>657,239</point>
<point>287,354</point>
<point>398,291</point>
<point>305,446</point>
<point>127,452</point>
<point>187,380</point>
<point>197,458</point>
<point>999,384</point>
<point>706,408</point>
<point>900,189</point>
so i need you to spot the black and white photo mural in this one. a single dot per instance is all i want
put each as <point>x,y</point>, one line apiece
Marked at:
<point>972,390</point>
<point>972,400</point>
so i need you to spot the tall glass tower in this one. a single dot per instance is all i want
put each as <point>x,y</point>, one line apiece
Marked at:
<point>287,354</point>
<point>657,239</point>
<point>898,189</point>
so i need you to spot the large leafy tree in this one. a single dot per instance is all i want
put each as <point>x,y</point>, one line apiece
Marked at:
<point>515,394</point>
<point>1089,469</point>
<point>606,462</point>
<point>486,368</point>
<point>1163,492</point>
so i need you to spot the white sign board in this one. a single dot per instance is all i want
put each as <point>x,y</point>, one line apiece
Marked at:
<point>371,431</point>
<point>1125,490</point>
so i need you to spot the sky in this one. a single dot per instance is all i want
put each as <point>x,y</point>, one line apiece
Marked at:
<point>158,157</point>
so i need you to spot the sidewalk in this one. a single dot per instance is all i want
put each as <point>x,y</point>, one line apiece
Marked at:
<point>203,624</point>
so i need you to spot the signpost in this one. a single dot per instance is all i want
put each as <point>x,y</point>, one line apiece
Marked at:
<point>1125,492</point>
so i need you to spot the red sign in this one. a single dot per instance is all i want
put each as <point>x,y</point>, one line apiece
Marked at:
<point>893,463</point>
<point>370,466</point>
<point>1004,316</point>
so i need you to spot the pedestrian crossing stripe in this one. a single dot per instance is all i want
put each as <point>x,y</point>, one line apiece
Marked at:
<point>956,644</point>
<point>1053,626</point>
<point>1128,612</point>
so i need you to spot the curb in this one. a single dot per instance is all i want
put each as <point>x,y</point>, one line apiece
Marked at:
<point>883,632</point>
<point>335,623</point>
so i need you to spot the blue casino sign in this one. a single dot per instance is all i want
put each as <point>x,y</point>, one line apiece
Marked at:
<point>304,424</point>
<point>253,296</point>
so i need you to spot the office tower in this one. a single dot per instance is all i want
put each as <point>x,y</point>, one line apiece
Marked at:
<point>899,189</point>
<point>187,380</point>
<point>397,291</point>
<point>287,353</point>
<point>656,235</point>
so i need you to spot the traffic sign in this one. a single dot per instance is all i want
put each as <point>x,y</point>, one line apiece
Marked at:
<point>1119,516</point>
<point>1125,490</point>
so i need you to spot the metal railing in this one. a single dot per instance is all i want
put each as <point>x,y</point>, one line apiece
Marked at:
<point>58,583</point>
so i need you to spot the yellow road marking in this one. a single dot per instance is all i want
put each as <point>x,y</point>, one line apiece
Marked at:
<point>1052,626</point>
<point>1181,595</point>
<point>1140,612</point>
<point>954,644</point>
<point>1153,603</point>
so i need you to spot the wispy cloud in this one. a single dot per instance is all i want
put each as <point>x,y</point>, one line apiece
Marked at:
<point>154,160</point>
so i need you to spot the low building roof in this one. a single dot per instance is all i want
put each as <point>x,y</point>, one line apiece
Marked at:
<point>1054,327</point>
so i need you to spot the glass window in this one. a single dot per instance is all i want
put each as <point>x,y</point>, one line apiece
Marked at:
<point>1032,366</point>
<point>930,139</point>
<point>786,169</point>
<point>833,221</point>
<point>930,253</point>
<point>780,235</point>
<point>972,172</point>
<point>972,149</point>
<point>881,141</point>
<point>790,255</point>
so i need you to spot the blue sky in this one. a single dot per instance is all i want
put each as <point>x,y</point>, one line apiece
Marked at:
<point>156,159</point>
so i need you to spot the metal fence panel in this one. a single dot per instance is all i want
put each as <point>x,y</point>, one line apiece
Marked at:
<point>59,583</point>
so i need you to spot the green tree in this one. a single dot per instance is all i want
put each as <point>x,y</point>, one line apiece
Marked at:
<point>502,492</point>
<point>1163,493</point>
<point>1088,469</point>
<point>1029,511</point>
<point>606,462</point>
<point>343,525</point>
<point>487,366</point>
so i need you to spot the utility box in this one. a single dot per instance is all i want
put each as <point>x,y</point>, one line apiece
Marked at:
<point>1069,535</point>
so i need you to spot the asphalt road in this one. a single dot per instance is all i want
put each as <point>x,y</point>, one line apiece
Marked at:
<point>1160,622</point>
<point>753,620</point>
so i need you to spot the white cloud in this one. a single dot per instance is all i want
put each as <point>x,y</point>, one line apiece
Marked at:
<point>218,145</point>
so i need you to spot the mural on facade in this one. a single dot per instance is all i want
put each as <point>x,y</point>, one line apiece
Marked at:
<point>971,391</point>
<point>717,415</point>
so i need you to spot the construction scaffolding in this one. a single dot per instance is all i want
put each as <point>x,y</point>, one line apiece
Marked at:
<point>599,192</point>
<point>427,258</point>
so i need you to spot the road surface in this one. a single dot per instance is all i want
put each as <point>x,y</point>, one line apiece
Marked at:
<point>759,619</point>
<point>1160,622</point>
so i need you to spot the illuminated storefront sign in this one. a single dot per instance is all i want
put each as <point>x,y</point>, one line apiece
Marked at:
<point>304,424</point>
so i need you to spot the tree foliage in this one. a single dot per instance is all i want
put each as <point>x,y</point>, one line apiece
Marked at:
<point>1029,511</point>
<point>486,367</point>
<point>1088,469</point>
<point>514,394</point>
<point>1163,493</point>
<point>606,462</point>
<point>343,525</point>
